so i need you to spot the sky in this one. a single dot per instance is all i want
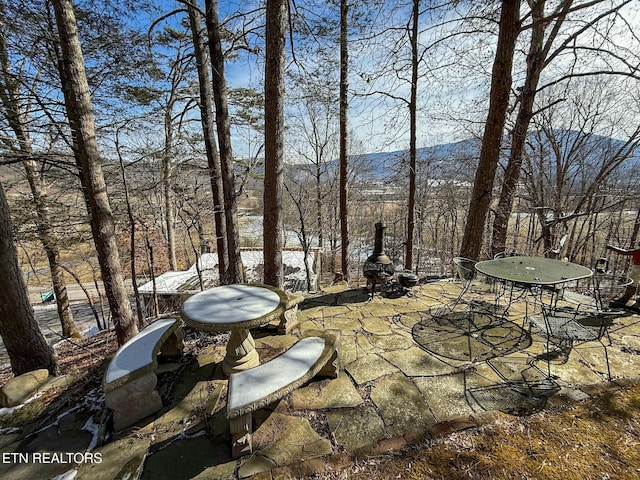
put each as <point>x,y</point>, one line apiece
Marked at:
<point>454,83</point>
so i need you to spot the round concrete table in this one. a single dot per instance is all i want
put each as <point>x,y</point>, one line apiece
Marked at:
<point>235,308</point>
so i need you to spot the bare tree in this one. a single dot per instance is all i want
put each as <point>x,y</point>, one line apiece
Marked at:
<point>314,136</point>
<point>344,137</point>
<point>276,20</point>
<point>539,57</point>
<point>413,106</point>
<point>572,172</point>
<point>132,233</point>
<point>299,194</point>
<point>17,118</point>
<point>175,78</point>
<point>206,115</point>
<point>235,272</point>
<point>81,120</point>
<point>492,138</point>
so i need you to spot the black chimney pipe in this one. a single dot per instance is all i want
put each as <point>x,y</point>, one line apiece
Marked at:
<point>378,255</point>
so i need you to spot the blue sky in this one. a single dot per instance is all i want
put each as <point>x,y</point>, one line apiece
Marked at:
<point>453,97</point>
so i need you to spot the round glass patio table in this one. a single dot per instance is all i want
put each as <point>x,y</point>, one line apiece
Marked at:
<point>533,270</point>
<point>235,308</point>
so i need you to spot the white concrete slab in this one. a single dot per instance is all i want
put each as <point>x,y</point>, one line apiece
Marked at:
<point>230,304</point>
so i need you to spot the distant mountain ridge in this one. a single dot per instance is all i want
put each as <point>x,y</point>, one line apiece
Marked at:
<point>453,160</point>
<point>458,160</point>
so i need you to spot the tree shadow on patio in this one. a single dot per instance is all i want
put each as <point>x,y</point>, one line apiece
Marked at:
<point>516,398</point>
<point>478,337</point>
<point>466,335</point>
<point>347,297</point>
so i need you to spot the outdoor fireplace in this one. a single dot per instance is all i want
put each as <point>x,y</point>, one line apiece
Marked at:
<point>378,268</point>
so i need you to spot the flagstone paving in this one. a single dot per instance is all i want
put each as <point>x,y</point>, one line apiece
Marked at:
<point>356,428</point>
<point>405,374</point>
<point>339,393</point>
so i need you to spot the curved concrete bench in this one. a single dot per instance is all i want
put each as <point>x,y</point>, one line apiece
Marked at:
<point>257,387</point>
<point>130,381</point>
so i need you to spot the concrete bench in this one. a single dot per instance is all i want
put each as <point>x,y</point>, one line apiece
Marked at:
<point>257,387</point>
<point>130,381</point>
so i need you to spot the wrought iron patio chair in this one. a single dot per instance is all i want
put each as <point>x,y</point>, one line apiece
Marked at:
<point>564,326</point>
<point>463,311</point>
<point>464,267</point>
<point>506,254</point>
<point>597,292</point>
<point>466,273</point>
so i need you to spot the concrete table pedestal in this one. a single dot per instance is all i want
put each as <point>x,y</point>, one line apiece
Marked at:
<point>241,352</point>
<point>235,308</point>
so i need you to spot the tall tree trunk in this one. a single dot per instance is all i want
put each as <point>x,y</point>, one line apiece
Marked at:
<point>538,51</point>
<point>318,179</point>
<point>206,116</point>
<point>235,271</point>
<point>81,121</point>
<point>25,344</point>
<point>46,237</point>
<point>408,262</point>
<point>274,141</point>
<point>152,273</point>
<point>18,122</point>
<point>636,230</point>
<point>490,150</point>
<point>304,240</point>
<point>167,185</point>
<point>132,240</point>
<point>344,136</point>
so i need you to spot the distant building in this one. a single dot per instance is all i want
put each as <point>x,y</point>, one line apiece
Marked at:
<point>171,288</point>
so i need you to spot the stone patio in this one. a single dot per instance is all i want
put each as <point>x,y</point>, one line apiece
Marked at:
<point>406,374</point>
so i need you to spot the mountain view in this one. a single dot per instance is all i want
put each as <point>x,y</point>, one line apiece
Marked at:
<point>457,161</point>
